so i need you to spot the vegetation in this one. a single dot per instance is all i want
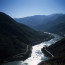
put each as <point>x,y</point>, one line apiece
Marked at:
<point>58,50</point>
<point>57,27</point>
<point>15,37</point>
<point>53,25</point>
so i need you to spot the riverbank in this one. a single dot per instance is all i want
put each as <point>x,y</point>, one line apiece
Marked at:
<point>37,54</point>
<point>58,50</point>
<point>47,53</point>
<point>27,53</point>
<point>19,57</point>
<point>60,60</point>
<point>51,36</point>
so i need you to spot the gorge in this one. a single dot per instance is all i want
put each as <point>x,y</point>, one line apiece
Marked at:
<point>37,56</point>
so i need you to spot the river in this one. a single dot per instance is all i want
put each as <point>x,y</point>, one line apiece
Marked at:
<point>36,55</point>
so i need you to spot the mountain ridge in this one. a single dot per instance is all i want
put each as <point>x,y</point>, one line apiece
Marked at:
<point>14,38</point>
<point>34,21</point>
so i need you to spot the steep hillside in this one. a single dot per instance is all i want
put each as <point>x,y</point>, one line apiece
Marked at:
<point>58,25</point>
<point>14,38</point>
<point>54,26</point>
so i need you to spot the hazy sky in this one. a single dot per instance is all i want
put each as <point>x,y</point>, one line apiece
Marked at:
<point>23,8</point>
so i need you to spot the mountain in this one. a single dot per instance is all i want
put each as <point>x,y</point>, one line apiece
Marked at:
<point>31,21</point>
<point>37,20</point>
<point>54,26</point>
<point>57,26</point>
<point>16,38</point>
<point>58,50</point>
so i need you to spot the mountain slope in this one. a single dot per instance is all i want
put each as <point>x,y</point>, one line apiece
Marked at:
<point>58,25</point>
<point>31,21</point>
<point>14,38</point>
<point>53,26</point>
<point>38,20</point>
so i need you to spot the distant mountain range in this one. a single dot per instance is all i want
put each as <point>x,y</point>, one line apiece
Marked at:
<point>31,20</point>
<point>16,38</point>
<point>56,25</point>
<point>52,23</point>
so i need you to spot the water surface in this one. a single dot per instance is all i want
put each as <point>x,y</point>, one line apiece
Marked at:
<point>36,55</point>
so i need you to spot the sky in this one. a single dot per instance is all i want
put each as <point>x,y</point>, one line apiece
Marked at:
<point>24,8</point>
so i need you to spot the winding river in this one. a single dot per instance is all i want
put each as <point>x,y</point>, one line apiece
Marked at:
<point>36,55</point>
